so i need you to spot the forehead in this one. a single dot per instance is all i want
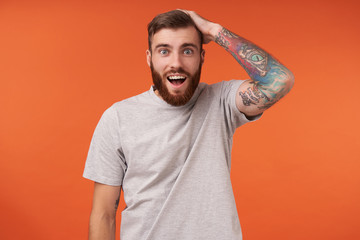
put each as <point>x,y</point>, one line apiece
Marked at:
<point>176,37</point>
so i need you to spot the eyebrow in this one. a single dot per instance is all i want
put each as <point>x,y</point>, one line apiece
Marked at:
<point>160,45</point>
<point>190,45</point>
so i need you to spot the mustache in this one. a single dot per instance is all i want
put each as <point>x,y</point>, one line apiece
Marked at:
<point>178,70</point>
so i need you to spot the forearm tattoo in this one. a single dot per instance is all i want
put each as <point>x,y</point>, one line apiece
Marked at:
<point>222,37</point>
<point>255,58</point>
<point>251,57</point>
<point>268,75</point>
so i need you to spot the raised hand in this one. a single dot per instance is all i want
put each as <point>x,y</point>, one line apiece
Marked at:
<point>270,80</point>
<point>208,29</point>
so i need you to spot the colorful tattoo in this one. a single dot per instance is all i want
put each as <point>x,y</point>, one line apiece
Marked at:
<point>255,57</point>
<point>269,76</point>
<point>222,37</point>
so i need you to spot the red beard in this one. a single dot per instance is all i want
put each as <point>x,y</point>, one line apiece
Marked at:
<point>175,100</point>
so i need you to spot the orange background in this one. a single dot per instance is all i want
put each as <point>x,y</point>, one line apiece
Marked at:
<point>295,172</point>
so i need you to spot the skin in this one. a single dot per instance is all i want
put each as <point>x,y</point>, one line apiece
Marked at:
<point>103,214</point>
<point>173,50</point>
<point>270,80</point>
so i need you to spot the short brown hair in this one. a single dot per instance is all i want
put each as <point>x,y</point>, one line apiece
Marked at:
<point>173,19</point>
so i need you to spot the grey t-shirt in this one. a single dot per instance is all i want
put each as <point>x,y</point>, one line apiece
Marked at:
<point>173,164</point>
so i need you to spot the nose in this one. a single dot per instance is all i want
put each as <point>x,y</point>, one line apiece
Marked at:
<point>176,61</point>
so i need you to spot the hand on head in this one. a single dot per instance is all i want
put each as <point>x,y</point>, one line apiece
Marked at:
<point>208,28</point>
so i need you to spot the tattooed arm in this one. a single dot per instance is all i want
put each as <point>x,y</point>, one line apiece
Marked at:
<point>103,214</point>
<point>270,80</point>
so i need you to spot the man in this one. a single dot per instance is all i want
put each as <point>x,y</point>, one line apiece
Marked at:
<point>169,148</point>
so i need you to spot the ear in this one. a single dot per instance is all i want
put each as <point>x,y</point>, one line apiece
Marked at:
<point>148,57</point>
<point>202,56</point>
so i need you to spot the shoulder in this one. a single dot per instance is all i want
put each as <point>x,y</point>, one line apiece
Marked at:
<point>119,109</point>
<point>129,104</point>
<point>224,88</point>
<point>142,97</point>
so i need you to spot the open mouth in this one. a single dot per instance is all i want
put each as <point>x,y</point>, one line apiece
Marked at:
<point>176,80</point>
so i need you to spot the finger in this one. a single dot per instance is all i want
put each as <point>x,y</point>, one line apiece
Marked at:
<point>183,10</point>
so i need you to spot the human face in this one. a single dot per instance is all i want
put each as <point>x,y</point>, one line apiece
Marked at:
<point>175,61</point>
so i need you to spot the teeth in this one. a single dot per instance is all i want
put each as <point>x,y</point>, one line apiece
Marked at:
<point>176,78</point>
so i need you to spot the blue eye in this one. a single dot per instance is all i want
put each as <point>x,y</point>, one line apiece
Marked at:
<point>163,51</point>
<point>188,51</point>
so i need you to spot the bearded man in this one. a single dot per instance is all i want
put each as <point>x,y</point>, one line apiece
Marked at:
<point>169,148</point>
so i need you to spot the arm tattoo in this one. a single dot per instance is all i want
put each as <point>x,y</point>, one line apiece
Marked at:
<point>252,58</point>
<point>222,36</point>
<point>255,58</point>
<point>269,77</point>
<point>252,95</point>
<point>117,203</point>
<point>222,41</point>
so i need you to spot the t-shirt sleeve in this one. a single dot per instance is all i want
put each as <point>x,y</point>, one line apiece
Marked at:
<point>105,162</point>
<point>233,116</point>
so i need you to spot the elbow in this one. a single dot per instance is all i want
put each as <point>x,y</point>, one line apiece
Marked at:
<point>102,216</point>
<point>102,226</point>
<point>290,80</point>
